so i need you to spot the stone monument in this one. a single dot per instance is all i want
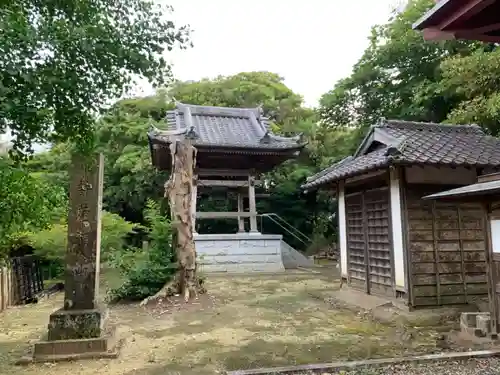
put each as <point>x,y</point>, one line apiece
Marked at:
<point>78,329</point>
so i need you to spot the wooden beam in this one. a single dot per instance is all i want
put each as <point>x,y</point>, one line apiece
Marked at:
<point>252,204</point>
<point>205,172</point>
<point>489,177</point>
<point>365,176</point>
<point>478,37</point>
<point>225,183</point>
<point>241,220</point>
<point>223,215</point>
<point>483,30</point>
<point>244,195</point>
<point>466,12</point>
<point>491,269</point>
<point>434,34</point>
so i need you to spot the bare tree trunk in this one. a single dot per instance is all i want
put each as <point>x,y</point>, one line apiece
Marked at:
<point>178,190</point>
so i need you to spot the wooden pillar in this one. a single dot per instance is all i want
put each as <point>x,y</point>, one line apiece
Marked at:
<point>194,199</point>
<point>491,272</point>
<point>241,220</point>
<point>252,205</point>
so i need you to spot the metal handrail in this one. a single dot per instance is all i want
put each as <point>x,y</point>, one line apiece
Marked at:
<point>291,229</point>
<point>305,237</point>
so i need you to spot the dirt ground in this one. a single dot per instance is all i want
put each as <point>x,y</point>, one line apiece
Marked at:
<point>245,322</point>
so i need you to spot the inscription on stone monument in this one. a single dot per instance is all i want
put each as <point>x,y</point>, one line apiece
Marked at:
<point>80,316</point>
<point>84,221</point>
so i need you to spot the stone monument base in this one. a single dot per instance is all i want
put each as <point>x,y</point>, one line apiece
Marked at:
<point>77,324</point>
<point>106,346</point>
<point>76,334</point>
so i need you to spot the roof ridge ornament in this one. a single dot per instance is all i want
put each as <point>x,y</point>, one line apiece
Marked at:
<point>260,110</point>
<point>381,122</point>
<point>191,134</point>
<point>153,129</point>
<point>392,152</point>
<point>269,137</point>
<point>266,139</point>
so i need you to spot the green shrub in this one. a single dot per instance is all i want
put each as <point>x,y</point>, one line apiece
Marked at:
<point>27,203</point>
<point>50,244</point>
<point>145,271</point>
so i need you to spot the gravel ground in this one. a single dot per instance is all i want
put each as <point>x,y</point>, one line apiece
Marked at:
<point>484,366</point>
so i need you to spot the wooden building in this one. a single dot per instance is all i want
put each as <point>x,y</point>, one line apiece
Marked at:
<point>391,241</point>
<point>473,20</point>
<point>235,146</point>
<point>485,194</point>
<point>462,19</point>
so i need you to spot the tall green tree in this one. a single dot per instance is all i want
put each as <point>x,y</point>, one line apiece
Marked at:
<point>130,179</point>
<point>476,78</point>
<point>398,76</point>
<point>62,62</point>
<point>22,206</point>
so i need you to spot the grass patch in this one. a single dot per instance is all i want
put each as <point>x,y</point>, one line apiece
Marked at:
<point>256,321</point>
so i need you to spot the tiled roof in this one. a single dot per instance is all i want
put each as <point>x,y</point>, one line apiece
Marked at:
<point>415,143</point>
<point>480,188</point>
<point>222,127</point>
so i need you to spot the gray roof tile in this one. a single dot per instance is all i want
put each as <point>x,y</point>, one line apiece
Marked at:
<point>223,127</point>
<point>478,189</point>
<point>418,143</point>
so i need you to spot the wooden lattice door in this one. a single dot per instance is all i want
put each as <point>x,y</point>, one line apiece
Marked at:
<point>378,241</point>
<point>368,241</point>
<point>356,242</point>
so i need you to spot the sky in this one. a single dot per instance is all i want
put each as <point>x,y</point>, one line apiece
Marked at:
<point>312,44</point>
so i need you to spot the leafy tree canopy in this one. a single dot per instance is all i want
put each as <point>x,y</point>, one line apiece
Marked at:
<point>62,61</point>
<point>399,76</point>
<point>23,207</point>
<point>130,179</point>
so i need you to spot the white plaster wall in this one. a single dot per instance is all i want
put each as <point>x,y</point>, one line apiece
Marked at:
<point>239,252</point>
<point>495,235</point>
<point>441,175</point>
<point>342,231</point>
<point>397,233</point>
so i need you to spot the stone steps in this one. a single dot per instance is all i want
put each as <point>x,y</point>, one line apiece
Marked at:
<point>477,324</point>
<point>292,258</point>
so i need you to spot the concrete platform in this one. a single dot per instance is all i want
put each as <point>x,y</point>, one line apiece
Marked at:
<point>107,346</point>
<point>239,253</point>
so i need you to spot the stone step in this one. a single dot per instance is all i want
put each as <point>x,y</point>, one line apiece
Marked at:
<point>292,258</point>
<point>477,324</point>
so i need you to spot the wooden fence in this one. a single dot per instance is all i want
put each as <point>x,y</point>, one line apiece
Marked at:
<point>6,288</point>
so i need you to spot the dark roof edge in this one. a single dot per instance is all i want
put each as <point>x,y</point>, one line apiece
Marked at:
<point>390,162</point>
<point>366,142</point>
<point>422,22</point>
<point>290,147</point>
<point>328,169</point>
<point>312,187</point>
<point>435,124</point>
<point>478,189</point>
